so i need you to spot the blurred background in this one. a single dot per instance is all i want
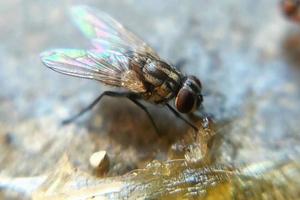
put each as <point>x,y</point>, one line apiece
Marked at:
<point>245,53</point>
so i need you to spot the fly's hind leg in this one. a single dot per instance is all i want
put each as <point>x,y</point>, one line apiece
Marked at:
<point>89,107</point>
<point>131,96</point>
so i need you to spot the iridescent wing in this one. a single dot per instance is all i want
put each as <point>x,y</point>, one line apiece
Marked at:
<point>106,33</point>
<point>110,68</point>
<point>109,62</point>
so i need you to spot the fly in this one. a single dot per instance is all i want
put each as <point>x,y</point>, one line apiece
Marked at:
<point>121,59</point>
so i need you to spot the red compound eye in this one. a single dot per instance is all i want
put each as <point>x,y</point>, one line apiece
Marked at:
<point>185,101</point>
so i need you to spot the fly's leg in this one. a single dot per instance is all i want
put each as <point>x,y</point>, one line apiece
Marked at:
<point>89,107</point>
<point>182,118</point>
<point>134,100</point>
<point>131,96</point>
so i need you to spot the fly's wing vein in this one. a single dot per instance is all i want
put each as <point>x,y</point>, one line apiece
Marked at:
<point>110,68</point>
<point>106,33</point>
<point>111,59</point>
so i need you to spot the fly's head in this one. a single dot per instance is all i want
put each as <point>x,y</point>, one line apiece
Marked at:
<point>189,97</point>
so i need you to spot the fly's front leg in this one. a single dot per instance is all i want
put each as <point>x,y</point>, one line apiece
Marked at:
<point>182,118</point>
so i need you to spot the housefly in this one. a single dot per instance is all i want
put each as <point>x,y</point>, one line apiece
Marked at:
<point>121,59</point>
<point>291,8</point>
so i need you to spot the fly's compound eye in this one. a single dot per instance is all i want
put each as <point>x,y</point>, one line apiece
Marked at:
<point>185,101</point>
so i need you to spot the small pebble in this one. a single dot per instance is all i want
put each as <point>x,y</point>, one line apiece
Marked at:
<point>100,162</point>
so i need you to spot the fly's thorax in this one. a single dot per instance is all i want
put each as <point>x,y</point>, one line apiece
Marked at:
<point>158,73</point>
<point>189,96</point>
<point>161,79</point>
